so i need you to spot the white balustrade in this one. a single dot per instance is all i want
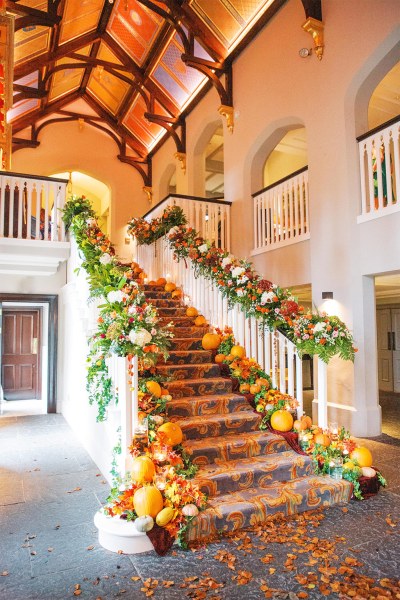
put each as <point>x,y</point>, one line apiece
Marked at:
<point>281,213</point>
<point>380,172</point>
<point>30,207</point>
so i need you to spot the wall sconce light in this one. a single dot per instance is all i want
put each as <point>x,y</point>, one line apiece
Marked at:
<point>304,52</point>
<point>327,295</point>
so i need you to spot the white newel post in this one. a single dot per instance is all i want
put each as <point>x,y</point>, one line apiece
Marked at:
<point>125,403</point>
<point>322,394</point>
<point>135,397</point>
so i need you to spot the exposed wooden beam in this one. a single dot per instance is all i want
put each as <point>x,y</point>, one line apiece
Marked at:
<point>30,16</point>
<point>313,8</point>
<point>32,117</point>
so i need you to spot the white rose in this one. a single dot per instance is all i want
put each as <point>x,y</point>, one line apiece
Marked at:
<point>226,261</point>
<point>140,337</point>
<point>240,292</point>
<point>267,297</point>
<point>105,258</point>
<point>319,327</point>
<point>237,271</point>
<point>203,248</point>
<point>116,296</point>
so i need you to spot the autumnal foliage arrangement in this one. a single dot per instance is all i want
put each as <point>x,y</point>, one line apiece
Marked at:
<point>148,232</point>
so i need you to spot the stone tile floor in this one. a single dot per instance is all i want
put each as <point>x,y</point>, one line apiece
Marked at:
<point>50,491</point>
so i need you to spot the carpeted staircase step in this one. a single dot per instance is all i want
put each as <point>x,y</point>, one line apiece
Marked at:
<point>253,506</point>
<point>193,331</point>
<point>234,446</point>
<point>257,471</point>
<point>216,425</point>
<point>189,371</point>
<point>185,344</point>
<point>183,357</point>
<point>164,302</point>
<point>221,404</point>
<point>178,321</point>
<point>158,293</point>
<point>198,387</point>
<point>173,311</point>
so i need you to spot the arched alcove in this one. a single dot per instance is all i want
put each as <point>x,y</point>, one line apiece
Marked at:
<point>167,183</point>
<point>208,161</point>
<point>288,156</point>
<point>384,103</point>
<point>82,184</point>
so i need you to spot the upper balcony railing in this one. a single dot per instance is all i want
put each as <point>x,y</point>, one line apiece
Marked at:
<point>209,216</point>
<point>30,207</point>
<point>281,213</point>
<point>380,171</point>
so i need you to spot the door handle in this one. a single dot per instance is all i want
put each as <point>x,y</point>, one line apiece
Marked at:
<point>34,346</point>
<point>393,340</point>
<point>389,340</point>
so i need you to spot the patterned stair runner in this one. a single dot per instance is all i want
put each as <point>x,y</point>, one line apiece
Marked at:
<point>247,474</point>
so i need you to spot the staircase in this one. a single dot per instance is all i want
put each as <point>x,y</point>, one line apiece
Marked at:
<point>247,474</point>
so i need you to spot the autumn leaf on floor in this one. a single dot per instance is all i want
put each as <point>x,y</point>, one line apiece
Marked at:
<point>390,522</point>
<point>168,584</point>
<point>77,489</point>
<point>149,585</point>
<point>226,557</point>
<point>77,589</point>
<point>90,548</point>
<point>4,574</point>
<point>243,577</point>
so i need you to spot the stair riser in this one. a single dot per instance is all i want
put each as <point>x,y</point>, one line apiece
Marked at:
<point>186,345</point>
<point>226,449</point>
<point>172,311</point>
<point>180,389</point>
<point>178,321</point>
<point>228,425</point>
<point>189,371</point>
<point>254,507</point>
<point>159,294</point>
<point>219,405</point>
<point>230,480</point>
<point>187,358</point>
<point>164,303</point>
<point>192,332</point>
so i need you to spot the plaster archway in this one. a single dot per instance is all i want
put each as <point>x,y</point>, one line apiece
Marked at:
<point>198,157</point>
<point>164,182</point>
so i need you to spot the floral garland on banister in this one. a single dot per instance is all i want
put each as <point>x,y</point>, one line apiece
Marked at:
<point>314,333</point>
<point>148,232</point>
<point>129,326</point>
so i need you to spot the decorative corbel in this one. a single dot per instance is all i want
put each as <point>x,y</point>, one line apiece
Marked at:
<point>148,190</point>
<point>227,112</point>
<point>316,29</point>
<point>181,157</point>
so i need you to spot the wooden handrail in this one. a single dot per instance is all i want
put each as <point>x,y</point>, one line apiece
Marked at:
<point>27,176</point>
<point>272,185</point>
<point>362,137</point>
<point>185,197</point>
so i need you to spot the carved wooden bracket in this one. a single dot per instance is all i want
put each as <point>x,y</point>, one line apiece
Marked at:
<point>170,124</point>
<point>316,29</point>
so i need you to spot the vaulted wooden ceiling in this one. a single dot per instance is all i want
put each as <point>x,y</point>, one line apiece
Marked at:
<point>131,68</point>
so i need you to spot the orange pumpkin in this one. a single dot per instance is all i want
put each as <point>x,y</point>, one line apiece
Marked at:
<point>255,388</point>
<point>164,392</point>
<point>142,469</point>
<point>169,287</point>
<point>300,425</point>
<point>282,420</point>
<point>238,351</point>
<point>161,281</point>
<point>229,357</point>
<point>200,321</point>
<point>307,420</point>
<point>262,381</point>
<point>152,282</point>
<point>148,500</point>
<point>191,311</point>
<point>323,439</point>
<point>244,388</point>
<point>172,432</point>
<point>219,358</point>
<point>363,456</point>
<point>211,341</point>
<point>154,388</point>
<point>177,294</point>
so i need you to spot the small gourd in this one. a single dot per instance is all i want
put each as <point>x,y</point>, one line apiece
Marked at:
<point>165,516</point>
<point>190,510</point>
<point>144,524</point>
<point>368,472</point>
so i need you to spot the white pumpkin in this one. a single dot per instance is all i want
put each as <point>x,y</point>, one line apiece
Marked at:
<point>144,524</point>
<point>368,471</point>
<point>190,510</point>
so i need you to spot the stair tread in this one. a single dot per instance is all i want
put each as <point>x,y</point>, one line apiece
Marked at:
<point>239,416</point>
<point>232,438</point>
<point>205,398</point>
<point>223,467</point>
<point>196,381</point>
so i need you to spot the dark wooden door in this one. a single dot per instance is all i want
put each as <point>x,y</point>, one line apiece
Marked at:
<point>20,353</point>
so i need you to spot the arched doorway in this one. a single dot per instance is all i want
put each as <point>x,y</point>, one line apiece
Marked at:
<point>288,156</point>
<point>214,165</point>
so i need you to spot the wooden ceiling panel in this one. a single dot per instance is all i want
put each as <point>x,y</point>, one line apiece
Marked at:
<point>80,17</point>
<point>30,42</point>
<point>106,87</point>
<point>148,132</point>
<point>22,108</point>
<point>135,28</point>
<point>229,19</point>
<point>177,80</point>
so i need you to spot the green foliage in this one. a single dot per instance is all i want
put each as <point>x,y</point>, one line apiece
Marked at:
<point>189,470</point>
<point>99,386</point>
<point>76,206</point>
<point>147,232</point>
